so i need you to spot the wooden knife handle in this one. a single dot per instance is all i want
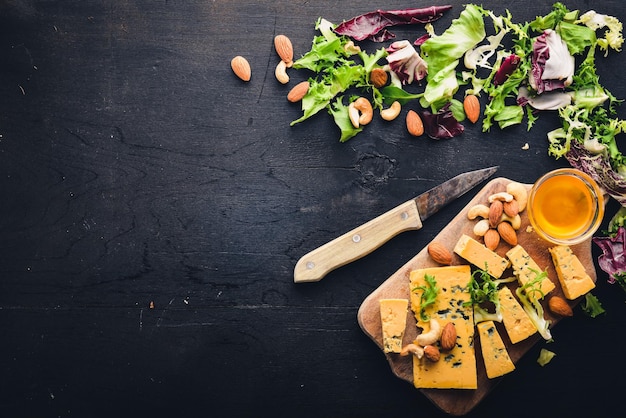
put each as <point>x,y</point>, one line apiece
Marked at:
<point>357,243</point>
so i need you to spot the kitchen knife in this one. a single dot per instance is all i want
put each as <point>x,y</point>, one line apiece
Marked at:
<point>364,239</point>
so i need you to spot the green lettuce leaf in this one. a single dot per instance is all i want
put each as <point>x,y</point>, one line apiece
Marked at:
<point>443,52</point>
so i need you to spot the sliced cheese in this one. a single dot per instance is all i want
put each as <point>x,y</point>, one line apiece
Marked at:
<point>496,358</point>
<point>574,279</point>
<point>393,317</point>
<point>456,369</point>
<point>516,321</point>
<point>479,255</point>
<point>525,269</point>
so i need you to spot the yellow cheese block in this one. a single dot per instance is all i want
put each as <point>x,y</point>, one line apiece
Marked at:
<point>479,255</point>
<point>574,279</point>
<point>525,269</point>
<point>496,358</point>
<point>393,316</point>
<point>456,369</point>
<point>516,322</point>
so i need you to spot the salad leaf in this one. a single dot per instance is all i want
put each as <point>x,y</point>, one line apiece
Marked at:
<point>483,291</point>
<point>613,258</point>
<point>441,125</point>
<point>532,304</point>
<point>545,357</point>
<point>577,37</point>
<point>405,63</point>
<point>552,65</point>
<point>428,296</point>
<point>551,20</point>
<point>443,53</point>
<point>508,66</point>
<point>392,93</point>
<point>592,306</point>
<point>372,25</point>
<point>612,37</point>
<point>339,112</point>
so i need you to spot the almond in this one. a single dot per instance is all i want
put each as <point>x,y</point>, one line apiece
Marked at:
<point>448,337</point>
<point>241,68</point>
<point>414,123</point>
<point>495,213</point>
<point>378,77</point>
<point>298,92</point>
<point>507,233</point>
<point>471,105</point>
<point>492,239</point>
<point>284,49</point>
<point>432,353</point>
<point>511,208</point>
<point>559,306</point>
<point>439,253</point>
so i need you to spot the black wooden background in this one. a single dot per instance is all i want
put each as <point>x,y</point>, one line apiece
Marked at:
<point>153,208</point>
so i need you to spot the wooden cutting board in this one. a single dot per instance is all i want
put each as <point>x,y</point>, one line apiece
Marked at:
<point>459,401</point>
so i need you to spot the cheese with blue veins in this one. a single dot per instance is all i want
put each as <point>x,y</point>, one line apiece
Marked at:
<point>496,358</point>
<point>393,314</point>
<point>572,275</point>
<point>456,369</point>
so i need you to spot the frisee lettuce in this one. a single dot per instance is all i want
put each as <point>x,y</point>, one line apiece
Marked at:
<point>428,295</point>
<point>483,291</point>
<point>530,296</point>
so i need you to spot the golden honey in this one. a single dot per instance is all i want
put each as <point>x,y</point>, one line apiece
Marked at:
<point>565,206</point>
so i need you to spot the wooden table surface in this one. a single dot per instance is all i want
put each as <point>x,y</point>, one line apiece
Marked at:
<point>154,207</point>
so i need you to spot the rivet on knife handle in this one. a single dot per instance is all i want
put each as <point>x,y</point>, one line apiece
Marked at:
<point>357,243</point>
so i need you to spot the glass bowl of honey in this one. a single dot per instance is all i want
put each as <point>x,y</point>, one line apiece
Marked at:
<point>565,206</point>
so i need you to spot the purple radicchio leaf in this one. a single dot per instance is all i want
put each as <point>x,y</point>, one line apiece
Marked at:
<point>552,66</point>
<point>509,64</point>
<point>613,260</point>
<point>599,168</point>
<point>419,41</point>
<point>372,25</point>
<point>405,62</point>
<point>441,125</point>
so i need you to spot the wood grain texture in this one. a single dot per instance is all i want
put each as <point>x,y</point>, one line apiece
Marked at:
<point>154,206</point>
<point>460,402</point>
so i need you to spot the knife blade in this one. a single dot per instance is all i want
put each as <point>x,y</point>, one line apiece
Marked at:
<point>364,239</point>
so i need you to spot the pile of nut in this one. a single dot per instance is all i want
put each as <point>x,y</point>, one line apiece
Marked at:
<point>500,218</point>
<point>425,344</point>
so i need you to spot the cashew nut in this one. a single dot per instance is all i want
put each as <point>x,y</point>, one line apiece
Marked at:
<point>391,112</point>
<point>412,349</point>
<point>351,48</point>
<point>365,108</point>
<point>502,196</point>
<point>430,337</point>
<point>519,193</point>
<point>481,227</point>
<point>515,221</point>
<point>354,115</point>
<point>479,210</point>
<point>281,72</point>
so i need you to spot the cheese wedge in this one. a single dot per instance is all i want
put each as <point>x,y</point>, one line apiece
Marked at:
<point>516,321</point>
<point>496,358</point>
<point>479,255</point>
<point>456,369</point>
<point>393,317</point>
<point>525,269</point>
<point>574,279</point>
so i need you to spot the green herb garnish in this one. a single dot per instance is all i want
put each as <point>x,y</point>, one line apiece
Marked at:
<point>428,296</point>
